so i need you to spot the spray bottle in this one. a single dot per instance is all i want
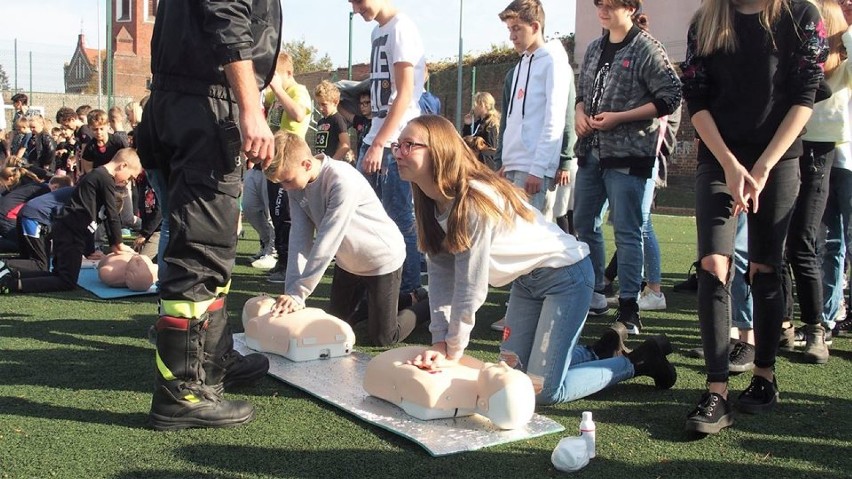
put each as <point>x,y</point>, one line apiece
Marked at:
<point>587,432</point>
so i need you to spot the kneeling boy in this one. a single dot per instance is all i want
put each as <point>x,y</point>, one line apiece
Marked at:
<point>334,200</point>
<point>75,225</point>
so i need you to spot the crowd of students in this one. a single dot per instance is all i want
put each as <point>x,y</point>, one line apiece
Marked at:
<point>517,199</point>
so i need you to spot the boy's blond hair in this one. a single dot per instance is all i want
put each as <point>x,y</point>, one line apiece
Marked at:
<point>290,149</point>
<point>327,91</point>
<point>97,118</point>
<point>284,64</point>
<point>527,11</point>
<point>127,156</point>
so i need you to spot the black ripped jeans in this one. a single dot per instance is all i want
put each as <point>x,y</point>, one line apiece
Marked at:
<point>767,230</point>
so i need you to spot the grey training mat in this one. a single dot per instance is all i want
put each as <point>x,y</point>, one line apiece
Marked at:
<point>338,381</point>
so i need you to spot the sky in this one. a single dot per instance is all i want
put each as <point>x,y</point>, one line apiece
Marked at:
<point>50,34</point>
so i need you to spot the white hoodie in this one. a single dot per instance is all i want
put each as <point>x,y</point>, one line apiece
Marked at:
<point>535,119</point>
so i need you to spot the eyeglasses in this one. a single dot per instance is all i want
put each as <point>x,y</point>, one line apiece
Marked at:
<point>406,146</point>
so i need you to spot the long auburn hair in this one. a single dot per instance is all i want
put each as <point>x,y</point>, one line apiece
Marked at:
<point>454,167</point>
<point>714,22</point>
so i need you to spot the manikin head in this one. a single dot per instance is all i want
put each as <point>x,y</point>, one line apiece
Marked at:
<point>506,396</point>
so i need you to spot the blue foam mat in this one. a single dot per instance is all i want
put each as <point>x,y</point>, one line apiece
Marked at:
<point>89,281</point>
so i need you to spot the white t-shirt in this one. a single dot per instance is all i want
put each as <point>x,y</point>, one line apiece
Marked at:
<point>397,41</point>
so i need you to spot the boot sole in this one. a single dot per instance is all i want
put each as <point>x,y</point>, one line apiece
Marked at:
<point>164,423</point>
<point>710,428</point>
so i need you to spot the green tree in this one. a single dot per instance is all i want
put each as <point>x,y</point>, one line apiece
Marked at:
<point>4,79</point>
<point>306,57</point>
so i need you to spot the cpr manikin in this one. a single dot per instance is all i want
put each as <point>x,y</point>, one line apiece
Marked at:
<point>496,391</point>
<point>302,335</point>
<point>133,271</point>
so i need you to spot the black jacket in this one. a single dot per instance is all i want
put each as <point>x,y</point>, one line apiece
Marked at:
<point>193,39</point>
<point>41,151</point>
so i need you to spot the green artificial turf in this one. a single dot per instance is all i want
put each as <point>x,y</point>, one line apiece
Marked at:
<point>76,375</point>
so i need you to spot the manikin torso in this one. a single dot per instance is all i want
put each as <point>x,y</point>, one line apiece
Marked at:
<point>303,335</point>
<point>133,271</point>
<point>502,394</point>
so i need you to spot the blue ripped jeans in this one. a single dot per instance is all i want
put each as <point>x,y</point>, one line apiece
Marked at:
<point>546,313</point>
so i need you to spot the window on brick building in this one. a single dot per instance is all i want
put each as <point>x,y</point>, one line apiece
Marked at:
<point>151,10</point>
<point>122,10</point>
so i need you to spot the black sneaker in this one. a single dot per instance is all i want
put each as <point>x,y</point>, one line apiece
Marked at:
<point>741,358</point>
<point>690,284</point>
<point>628,315</point>
<point>712,414</point>
<point>842,328</point>
<point>760,396</point>
<point>609,291</point>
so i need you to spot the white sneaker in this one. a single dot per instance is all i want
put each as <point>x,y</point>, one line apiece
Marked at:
<point>649,300</point>
<point>599,305</point>
<point>265,262</point>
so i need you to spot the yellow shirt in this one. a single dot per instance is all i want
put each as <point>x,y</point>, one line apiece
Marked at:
<point>277,117</point>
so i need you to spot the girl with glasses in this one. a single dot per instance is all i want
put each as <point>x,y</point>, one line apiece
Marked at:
<point>477,229</point>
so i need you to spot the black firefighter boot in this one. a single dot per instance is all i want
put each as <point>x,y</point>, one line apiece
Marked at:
<point>224,367</point>
<point>181,399</point>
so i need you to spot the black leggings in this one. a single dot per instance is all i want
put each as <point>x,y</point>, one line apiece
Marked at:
<point>767,230</point>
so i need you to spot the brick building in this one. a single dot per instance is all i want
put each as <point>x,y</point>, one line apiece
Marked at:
<point>132,28</point>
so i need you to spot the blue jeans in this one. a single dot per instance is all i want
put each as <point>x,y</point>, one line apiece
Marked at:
<point>546,313</point>
<point>838,213</point>
<point>158,183</point>
<point>625,193</point>
<point>741,316</point>
<point>519,178</point>
<point>395,195</point>
<point>650,245</point>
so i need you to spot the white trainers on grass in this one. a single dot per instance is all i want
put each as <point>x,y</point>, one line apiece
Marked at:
<point>650,300</point>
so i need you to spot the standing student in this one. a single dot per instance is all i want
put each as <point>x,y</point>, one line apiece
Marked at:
<point>828,127</point>
<point>209,62</point>
<point>625,85</point>
<point>104,145</point>
<point>397,69</point>
<point>838,215</point>
<point>332,136</point>
<point>477,229</point>
<point>747,161</point>
<point>535,114</point>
